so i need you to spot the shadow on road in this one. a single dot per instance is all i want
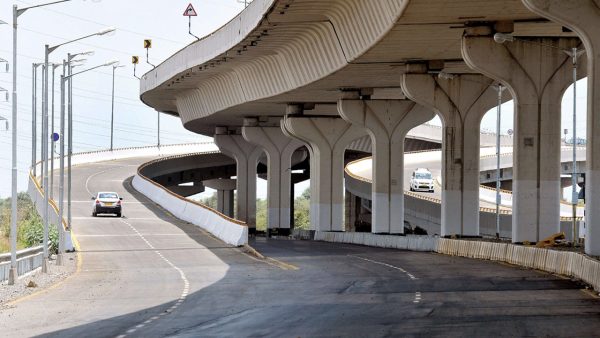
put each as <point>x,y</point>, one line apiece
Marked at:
<point>335,294</point>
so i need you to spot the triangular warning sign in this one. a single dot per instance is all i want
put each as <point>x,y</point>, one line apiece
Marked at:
<point>190,11</point>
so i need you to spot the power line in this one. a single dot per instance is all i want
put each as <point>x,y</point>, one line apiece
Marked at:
<point>121,29</point>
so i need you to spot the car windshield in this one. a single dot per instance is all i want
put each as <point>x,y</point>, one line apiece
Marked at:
<point>108,195</point>
<point>423,176</point>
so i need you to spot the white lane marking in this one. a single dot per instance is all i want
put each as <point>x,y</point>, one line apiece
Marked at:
<point>129,235</point>
<point>186,283</point>
<point>184,292</point>
<point>128,202</point>
<point>417,297</point>
<point>87,181</point>
<point>114,217</point>
<point>411,276</point>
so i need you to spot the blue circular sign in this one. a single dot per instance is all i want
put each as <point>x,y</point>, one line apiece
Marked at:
<point>55,137</point>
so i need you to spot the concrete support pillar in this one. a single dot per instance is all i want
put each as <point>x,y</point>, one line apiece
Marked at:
<point>224,188</point>
<point>461,101</point>
<point>279,149</point>
<point>583,17</point>
<point>327,138</point>
<point>246,157</point>
<point>386,122</point>
<point>352,211</point>
<point>225,202</point>
<point>536,76</point>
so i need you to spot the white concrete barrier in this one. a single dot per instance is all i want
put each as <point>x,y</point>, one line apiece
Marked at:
<point>409,242</point>
<point>227,229</point>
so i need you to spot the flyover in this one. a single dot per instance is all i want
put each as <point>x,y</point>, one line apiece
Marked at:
<point>283,74</point>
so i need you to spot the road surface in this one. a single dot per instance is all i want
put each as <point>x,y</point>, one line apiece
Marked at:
<point>149,275</point>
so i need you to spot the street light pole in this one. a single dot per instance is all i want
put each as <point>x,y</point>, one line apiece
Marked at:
<point>158,129</point>
<point>44,154</point>
<point>498,196</point>
<point>112,111</point>
<point>47,52</point>
<point>13,274</point>
<point>61,182</point>
<point>34,117</point>
<point>52,142</point>
<point>574,53</point>
<point>67,65</point>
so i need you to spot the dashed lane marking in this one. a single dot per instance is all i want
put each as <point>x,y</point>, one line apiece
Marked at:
<point>180,300</point>
<point>411,276</point>
<point>186,283</point>
<point>130,235</point>
<point>418,297</point>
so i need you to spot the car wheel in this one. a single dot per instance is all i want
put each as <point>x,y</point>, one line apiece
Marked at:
<point>118,214</point>
<point>94,214</point>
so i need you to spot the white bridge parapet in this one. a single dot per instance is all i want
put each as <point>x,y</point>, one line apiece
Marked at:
<point>227,229</point>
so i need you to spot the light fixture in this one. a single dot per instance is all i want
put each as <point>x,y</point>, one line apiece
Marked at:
<point>445,76</point>
<point>502,38</point>
<point>111,62</point>
<point>108,30</point>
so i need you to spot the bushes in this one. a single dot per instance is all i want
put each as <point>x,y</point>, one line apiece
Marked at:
<point>33,234</point>
<point>30,228</point>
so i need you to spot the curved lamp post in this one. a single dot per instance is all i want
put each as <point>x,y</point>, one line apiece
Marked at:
<point>63,80</point>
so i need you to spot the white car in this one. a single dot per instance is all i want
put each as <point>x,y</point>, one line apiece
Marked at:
<point>421,180</point>
<point>106,202</point>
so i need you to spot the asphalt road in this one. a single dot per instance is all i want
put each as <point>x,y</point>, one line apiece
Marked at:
<point>149,275</point>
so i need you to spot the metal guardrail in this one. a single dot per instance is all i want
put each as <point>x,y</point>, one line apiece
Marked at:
<point>27,260</point>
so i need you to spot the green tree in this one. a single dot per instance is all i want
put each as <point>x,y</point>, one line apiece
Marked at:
<point>261,214</point>
<point>302,210</point>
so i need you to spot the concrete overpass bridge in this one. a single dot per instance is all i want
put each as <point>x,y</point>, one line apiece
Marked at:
<point>289,74</point>
<point>288,77</point>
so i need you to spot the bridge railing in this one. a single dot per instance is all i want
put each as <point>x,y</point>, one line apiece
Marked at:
<point>27,260</point>
<point>229,230</point>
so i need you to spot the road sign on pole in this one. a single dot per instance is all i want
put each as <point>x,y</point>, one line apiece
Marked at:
<point>148,45</point>
<point>190,11</point>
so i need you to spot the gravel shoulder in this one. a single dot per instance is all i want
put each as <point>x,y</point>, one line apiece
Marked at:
<point>42,281</point>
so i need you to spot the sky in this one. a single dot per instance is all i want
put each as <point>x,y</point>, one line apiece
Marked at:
<point>135,123</point>
<point>135,20</point>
